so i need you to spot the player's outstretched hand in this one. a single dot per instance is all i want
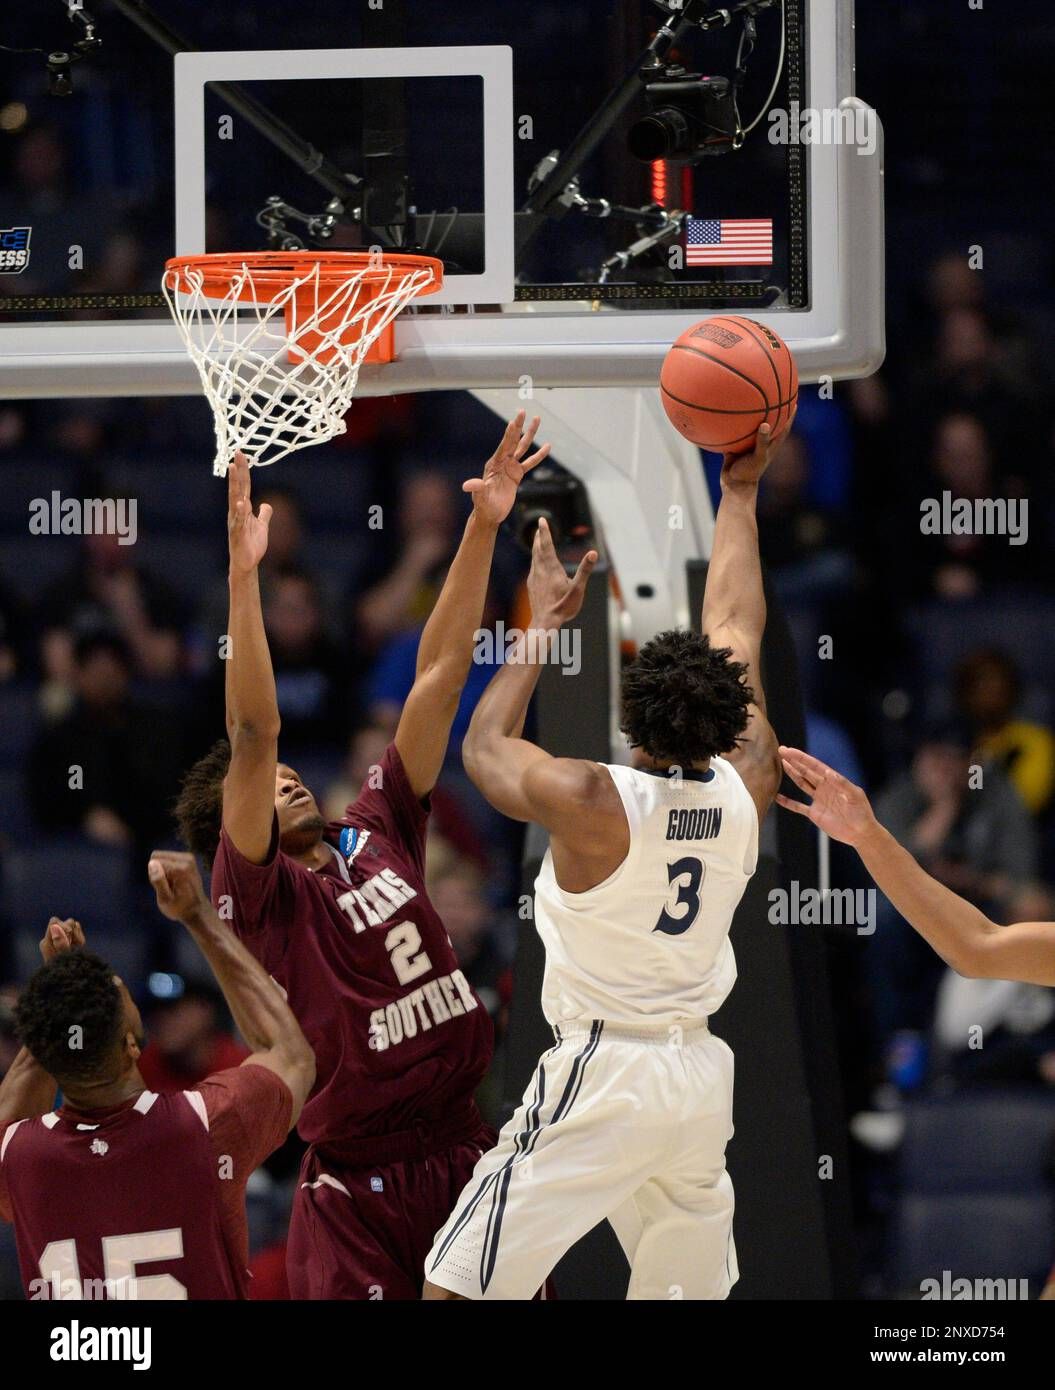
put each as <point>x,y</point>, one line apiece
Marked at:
<point>556,597</point>
<point>749,468</point>
<point>61,934</point>
<point>177,884</point>
<point>494,494</point>
<point>837,807</point>
<point>246,532</point>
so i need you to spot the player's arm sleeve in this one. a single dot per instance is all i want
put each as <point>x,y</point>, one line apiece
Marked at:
<point>6,1213</point>
<point>388,806</point>
<point>250,1110</point>
<point>251,896</point>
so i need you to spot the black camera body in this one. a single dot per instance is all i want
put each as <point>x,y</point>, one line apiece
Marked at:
<point>551,492</point>
<point>689,117</point>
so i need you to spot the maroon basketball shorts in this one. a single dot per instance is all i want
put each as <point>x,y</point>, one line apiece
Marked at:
<point>361,1230</point>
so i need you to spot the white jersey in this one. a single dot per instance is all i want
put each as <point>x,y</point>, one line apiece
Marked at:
<point>650,945</point>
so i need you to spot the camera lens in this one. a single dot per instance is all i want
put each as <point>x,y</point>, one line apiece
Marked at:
<point>663,134</point>
<point>527,524</point>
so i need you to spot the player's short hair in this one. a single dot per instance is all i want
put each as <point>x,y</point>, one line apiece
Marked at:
<point>684,701</point>
<point>70,1015</point>
<point>199,806</point>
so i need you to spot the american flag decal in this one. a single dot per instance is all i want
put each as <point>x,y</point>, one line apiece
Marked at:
<point>729,241</point>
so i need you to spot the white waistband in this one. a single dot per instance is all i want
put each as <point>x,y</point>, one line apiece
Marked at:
<point>676,1034</point>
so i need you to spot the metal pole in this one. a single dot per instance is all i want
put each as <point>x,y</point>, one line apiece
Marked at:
<point>552,186</point>
<point>302,152</point>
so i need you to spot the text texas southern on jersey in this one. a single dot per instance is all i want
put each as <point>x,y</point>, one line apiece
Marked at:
<point>369,971</point>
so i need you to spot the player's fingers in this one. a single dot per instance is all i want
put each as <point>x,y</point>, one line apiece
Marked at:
<point>77,934</point>
<point>798,776</point>
<point>265,514</point>
<point>799,807</point>
<point>159,879</point>
<point>582,574</point>
<point>537,457</point>
<point>473,485</point>
<point>526,438</point>
<point>177,865</point>
<point>240,469</point>
<point>538,543</point>
<point>547,551</point>
<point>817,771</point>
<point>512,434</point>
<point>802,760</point>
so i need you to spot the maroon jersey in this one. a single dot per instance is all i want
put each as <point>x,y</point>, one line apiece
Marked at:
<point>400,1038</point>
<point>146,1199</point>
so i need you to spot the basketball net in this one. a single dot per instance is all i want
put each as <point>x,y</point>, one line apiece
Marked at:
<point>278,338</point>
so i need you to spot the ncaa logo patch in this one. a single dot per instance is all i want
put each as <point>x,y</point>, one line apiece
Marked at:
<point>14,249</point>
<point>353,842</point>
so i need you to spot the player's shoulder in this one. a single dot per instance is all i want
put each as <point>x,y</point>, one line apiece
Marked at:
<point>578,777</point>
<point>385,781</point>
<point>7,1134</point>
<point>240,1088</point>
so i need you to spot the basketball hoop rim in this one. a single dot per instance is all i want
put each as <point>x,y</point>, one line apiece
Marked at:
<point>277,270</point>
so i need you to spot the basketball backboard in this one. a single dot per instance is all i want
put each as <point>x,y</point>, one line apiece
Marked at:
<point>405,123</point>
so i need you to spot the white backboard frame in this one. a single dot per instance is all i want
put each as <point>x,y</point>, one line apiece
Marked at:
<point>493,65</point>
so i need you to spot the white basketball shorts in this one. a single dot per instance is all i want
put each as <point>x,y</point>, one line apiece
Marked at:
<point>624,1123</point>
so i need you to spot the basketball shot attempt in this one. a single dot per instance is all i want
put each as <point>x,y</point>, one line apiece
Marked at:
<point>726,377</point>
<point>629,1113</point>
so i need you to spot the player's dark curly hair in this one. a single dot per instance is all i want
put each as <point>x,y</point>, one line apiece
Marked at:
<point>199,806</point>
<point>684,701</point>
<point>76,990</point>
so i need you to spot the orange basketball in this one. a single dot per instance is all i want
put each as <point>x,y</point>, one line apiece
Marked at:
<point>724,378</point>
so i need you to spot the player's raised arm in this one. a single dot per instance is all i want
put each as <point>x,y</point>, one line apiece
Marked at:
<point>445,652</point>
<point>257,1006</point>
<point>518,778</point>
<point>252,705</point>
<point>734,607</point>
<point>27,1089</point>
<point>964,937</point>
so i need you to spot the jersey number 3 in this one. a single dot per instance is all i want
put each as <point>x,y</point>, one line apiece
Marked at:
<point>686,878</point>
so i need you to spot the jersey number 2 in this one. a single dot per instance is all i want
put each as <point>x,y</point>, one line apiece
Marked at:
<point>685,877</point>
<point>402,944</point>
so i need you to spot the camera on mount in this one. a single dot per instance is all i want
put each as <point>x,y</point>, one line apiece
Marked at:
<point>689,117</point>
<point>60,75</point>
<point>551,492</point>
